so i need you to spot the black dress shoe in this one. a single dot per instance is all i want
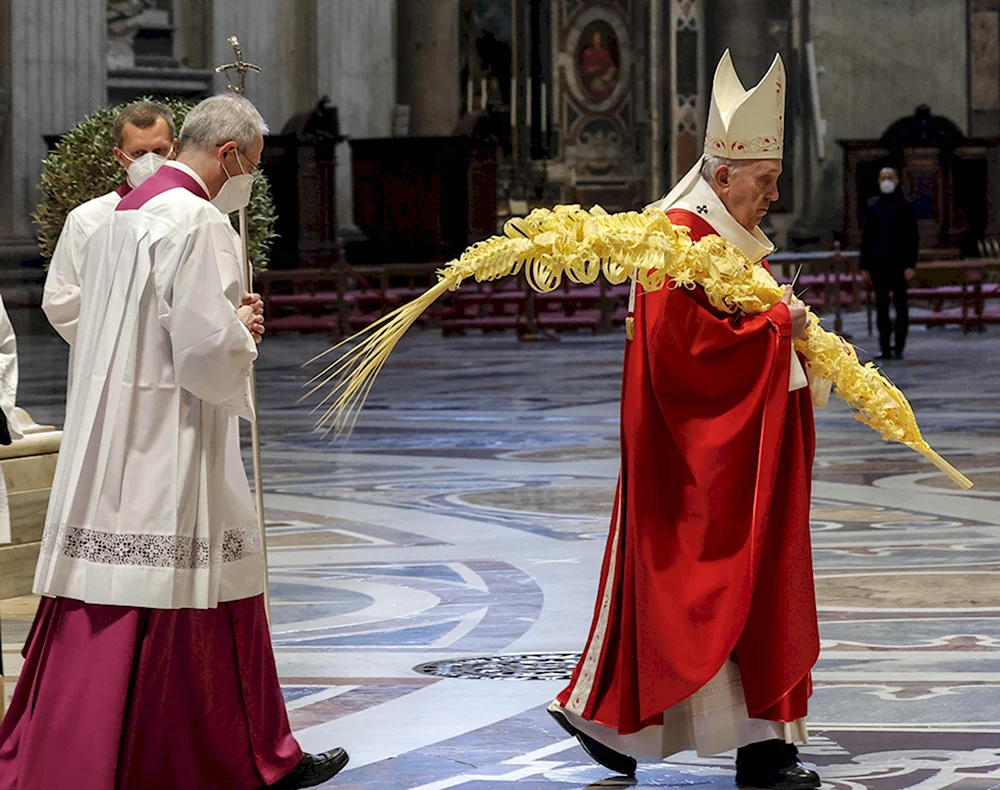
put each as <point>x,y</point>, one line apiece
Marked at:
<point>885,355</point>
<point>609,758</point>
<point>773,765</point>
<point>791,777</point>
<point>312,770</point>
<point>898,355</point>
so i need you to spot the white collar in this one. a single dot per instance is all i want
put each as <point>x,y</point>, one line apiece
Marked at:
<point>186,169</point>
<point>702,201</point>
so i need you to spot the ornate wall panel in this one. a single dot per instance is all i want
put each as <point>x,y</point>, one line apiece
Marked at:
<point>600,104</point>
<point>687,105</point>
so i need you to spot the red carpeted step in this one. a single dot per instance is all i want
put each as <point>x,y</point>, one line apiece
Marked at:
<point>493,323</point>
<point>308,300</point>
<point>302,323</point>
<point>943,317</point>
<point>583,319</point>
<point>941,292</point>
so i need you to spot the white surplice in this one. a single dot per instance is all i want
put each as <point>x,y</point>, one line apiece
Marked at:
<point>61,297</point>
<point>150,504</point>
<point>8,396</point>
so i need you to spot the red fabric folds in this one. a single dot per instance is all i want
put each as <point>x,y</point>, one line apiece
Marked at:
<point>120,698</point>
<point>713,558</point>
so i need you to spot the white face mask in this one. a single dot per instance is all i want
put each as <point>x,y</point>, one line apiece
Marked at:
<point>143,168</point>
<point>888,186</point>
<point>235,193</point>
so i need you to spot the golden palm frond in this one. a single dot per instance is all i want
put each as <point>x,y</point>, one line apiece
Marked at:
<point>581,245</point>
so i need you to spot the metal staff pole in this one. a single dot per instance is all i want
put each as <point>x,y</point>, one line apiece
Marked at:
<point>258,484</point>
<point>238,86</point>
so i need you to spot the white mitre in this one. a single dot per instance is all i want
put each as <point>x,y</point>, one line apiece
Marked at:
<point>742,124</point>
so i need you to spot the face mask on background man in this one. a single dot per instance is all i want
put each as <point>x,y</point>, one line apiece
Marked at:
<point>888,186</point>
<point>144,167</point>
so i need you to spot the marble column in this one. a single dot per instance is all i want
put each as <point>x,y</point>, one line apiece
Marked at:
<point>984,68</point>
<point>356,68</point>
<point>741,26</point>
<point>193,19</point>
<point>429,64</point>
<point>52,64</point>
<point>280,37</point>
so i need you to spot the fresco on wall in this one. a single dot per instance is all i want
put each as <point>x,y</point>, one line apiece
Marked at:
<point>598,59</point>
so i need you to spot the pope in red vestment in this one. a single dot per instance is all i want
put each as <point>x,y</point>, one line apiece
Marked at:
<point>705,629</point>
<point>708,559</point>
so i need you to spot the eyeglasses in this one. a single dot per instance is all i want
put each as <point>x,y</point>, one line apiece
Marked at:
<point>254,171</point>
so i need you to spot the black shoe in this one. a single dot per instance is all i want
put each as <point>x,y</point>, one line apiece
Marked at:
<point>885,355</point>
<point>609,758</point>
<point>312,770</point>
<point>791,777</point>
<point>773,765</point>
<point>898,355</point>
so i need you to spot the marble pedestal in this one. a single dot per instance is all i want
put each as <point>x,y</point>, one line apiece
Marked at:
<point>28,467</point>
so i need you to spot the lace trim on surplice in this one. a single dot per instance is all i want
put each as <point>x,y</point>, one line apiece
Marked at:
<point>152,551</point>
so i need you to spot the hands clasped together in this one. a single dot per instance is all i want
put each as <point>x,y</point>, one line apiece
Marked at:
<point>251,313</point>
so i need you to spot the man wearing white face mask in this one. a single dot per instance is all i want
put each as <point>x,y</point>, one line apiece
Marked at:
<point>145,138</point>
<point>890,244</point>
<point>150,665</point>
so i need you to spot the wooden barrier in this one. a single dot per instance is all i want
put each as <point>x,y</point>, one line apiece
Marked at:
<point>968,283</point>
<point>342,300</point>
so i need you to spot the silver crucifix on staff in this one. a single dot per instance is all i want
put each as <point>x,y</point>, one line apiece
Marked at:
<point>241,67</point>
<point>239,87</point>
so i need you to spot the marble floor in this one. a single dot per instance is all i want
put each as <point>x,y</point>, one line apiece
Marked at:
<point>465,521</point>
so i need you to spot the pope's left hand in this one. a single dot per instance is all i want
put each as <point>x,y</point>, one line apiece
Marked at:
<point>909,273</point>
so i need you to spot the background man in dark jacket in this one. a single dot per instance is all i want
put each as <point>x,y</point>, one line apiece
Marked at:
<point>889,246</point>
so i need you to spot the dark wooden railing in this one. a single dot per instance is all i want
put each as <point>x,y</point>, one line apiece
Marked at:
<point>344,299</point>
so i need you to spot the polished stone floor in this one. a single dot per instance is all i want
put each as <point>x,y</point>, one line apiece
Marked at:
<point>466,518</point>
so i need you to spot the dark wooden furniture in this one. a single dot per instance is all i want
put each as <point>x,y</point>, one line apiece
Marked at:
<point>300,165</point>
<point>967,285</point>
<point>953,181</point>
<point>422,199</point>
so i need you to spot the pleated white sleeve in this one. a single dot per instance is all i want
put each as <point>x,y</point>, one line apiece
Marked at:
<point>61,297</point>
<point>212,350</point>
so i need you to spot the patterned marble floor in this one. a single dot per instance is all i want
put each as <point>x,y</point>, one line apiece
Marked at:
<point>466,518</point>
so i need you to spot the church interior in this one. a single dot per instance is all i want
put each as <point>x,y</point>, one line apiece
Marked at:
<point>432,575</point>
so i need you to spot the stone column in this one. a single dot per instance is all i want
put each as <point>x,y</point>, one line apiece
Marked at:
<point>357,70</point>
<point>54,74</point>
<point>428,61</point>
<point>742,27</point>
<point>280,37</point>
<point>193,19</point>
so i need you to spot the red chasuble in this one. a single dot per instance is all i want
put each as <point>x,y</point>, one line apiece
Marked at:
<point>708,557</point>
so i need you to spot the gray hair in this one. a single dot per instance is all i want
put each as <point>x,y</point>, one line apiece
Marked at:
<point>712,163</point>
<point>219,119</point>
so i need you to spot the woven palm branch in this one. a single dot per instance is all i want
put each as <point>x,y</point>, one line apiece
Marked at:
<point>581,245</point>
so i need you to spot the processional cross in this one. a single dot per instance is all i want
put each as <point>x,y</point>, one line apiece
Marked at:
<point>238,86</point>
<point>241,67</point>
